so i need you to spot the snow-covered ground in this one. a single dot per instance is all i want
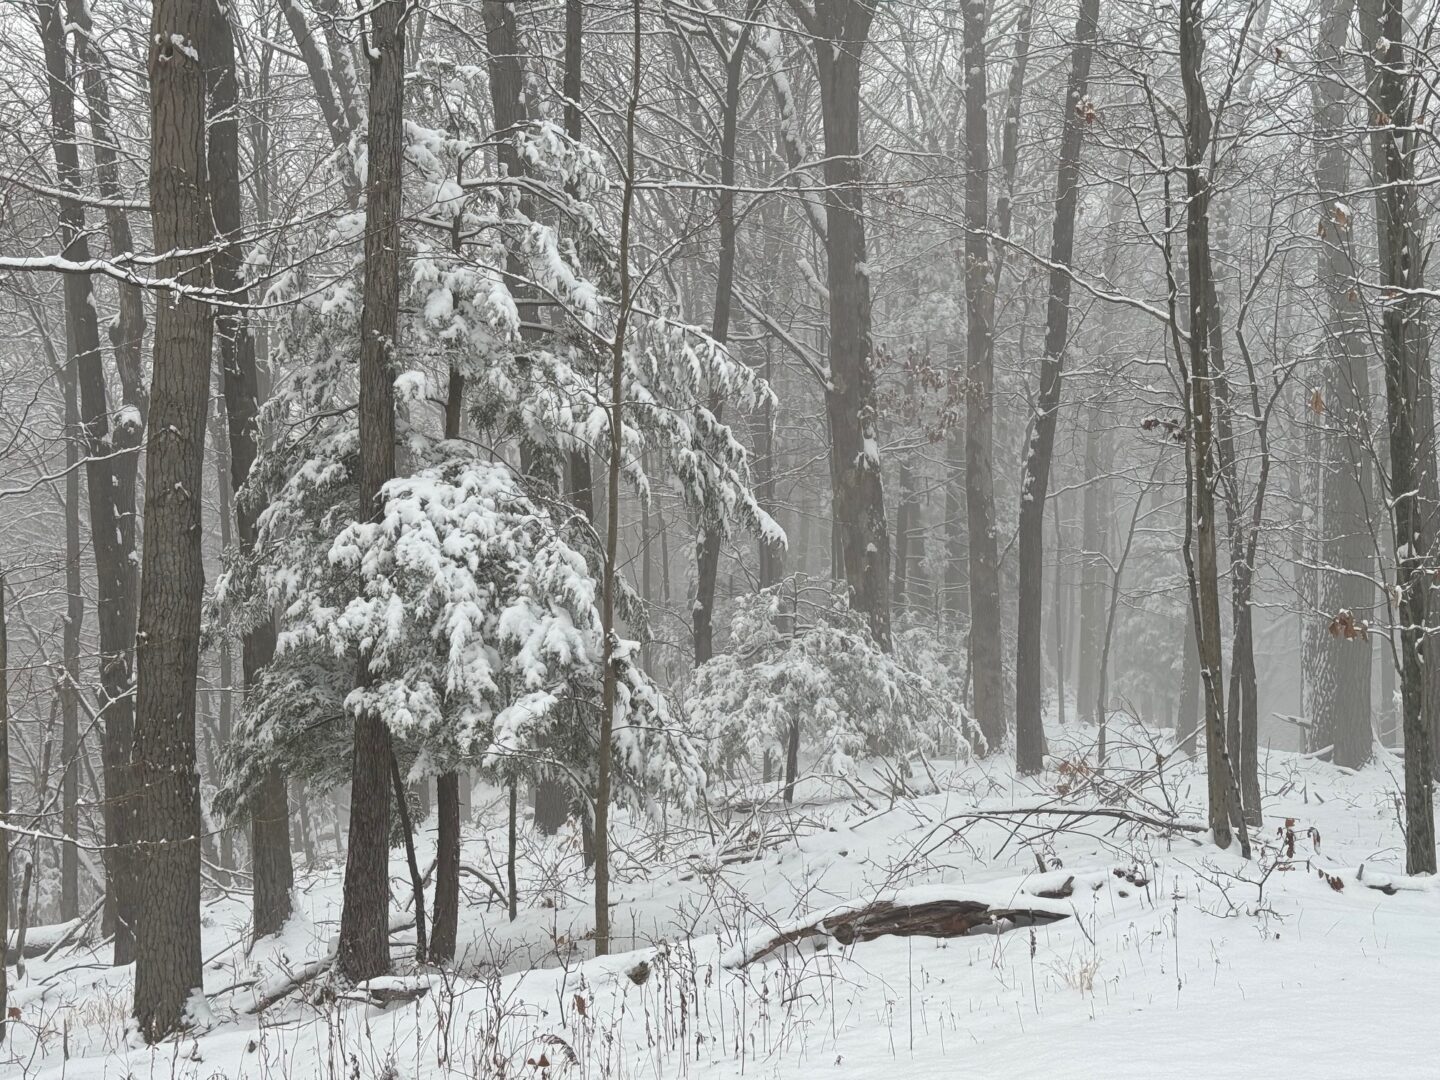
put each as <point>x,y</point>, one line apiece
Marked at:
<point>1174,959</point>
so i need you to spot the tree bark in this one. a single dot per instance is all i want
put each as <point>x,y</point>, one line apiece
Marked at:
<point>612,507</point>
<point>444,922</point>
<point>167,941</point>
<point>70,690</point>
<point>1203,566</point>
<point>1341,717</point>
<point>841,28</point>
<point>707,544</point>
<point>364,949</point>
<point>4,811</point>
<point>274,873</point>
<point>110,486</point>
<point>1029,673</point>
<point>1393,91</point>
<point>987,665</point>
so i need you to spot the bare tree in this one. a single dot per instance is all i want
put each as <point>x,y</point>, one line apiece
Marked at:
<point>840,29</point>
<point>274,874</point>
<point>167,941</point>
<point>1029,681</point>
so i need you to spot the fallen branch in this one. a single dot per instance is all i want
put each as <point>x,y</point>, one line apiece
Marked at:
<point>881,918</point>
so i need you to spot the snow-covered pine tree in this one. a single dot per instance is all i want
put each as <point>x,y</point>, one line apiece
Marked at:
<point>804,666</point>
<point>541,390</point>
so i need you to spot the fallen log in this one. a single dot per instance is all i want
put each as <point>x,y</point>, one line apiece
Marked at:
<point>894,918</point>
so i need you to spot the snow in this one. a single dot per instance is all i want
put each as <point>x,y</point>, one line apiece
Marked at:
<point>1172,954</point>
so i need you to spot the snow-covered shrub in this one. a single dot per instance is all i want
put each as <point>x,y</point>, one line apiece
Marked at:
<point>800,655</point>
<point>483,637</point>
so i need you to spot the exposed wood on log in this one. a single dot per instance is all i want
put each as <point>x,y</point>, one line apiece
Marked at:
<point>934,918</point>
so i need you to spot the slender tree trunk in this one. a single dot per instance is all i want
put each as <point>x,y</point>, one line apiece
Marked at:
<point>445,923</point>
<point>364,949</point>
<point>987,665</point>
<point>167,941</point>
<point>1029,675</point>
<point>70,691</point>
<point>5,812</point>
<point>612,506</point>
<point>1203,566</point>
<point>707,545</point>
<point>270,858</point>
<point>417,883</point>
<point>1058,617</point>
<point>1094,540</point>
<point>110,485</point>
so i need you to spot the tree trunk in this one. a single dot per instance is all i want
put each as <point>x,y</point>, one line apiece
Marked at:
<point>444,924</point>
<point>445,921</point>
<point>70,690</point>
<point>364,949</point>
<point>1188,715</point>
<point>707,545</point>
<point>407,830</point>
<point>1094,540</point>
<point>1029,674</point>
<point>1058,615</point>
<point>270,858</point>
<point>1393,92</point>
<point>852,404</point>
<point>612,507</point>
<point>1202,565</point>
<point>4,811</point>
<point>110,485</point>
<point>987,665</point>
<point>167,941</point>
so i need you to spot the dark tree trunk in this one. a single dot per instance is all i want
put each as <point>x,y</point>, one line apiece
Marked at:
<point>70,690</point>
<point>110,485</point>
<point>5,811</point>
<point>1094,541</point>
<point>364,949</point>
<point>1202,565</point>
<point>445,922</point>
<point>274,874</point>
<point>1029,673</point>
<point>1187,718</point>
<point>407,830</point>
<point>447,868</point>
<point>1406,366</point>
<point>707,544</point>
<point>841,28</point>
<point>987,665</point>
<point>1058,616</point>
<point>612,506</point>
<point>167,940</point>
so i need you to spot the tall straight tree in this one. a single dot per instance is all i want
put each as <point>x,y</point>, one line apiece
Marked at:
<point>109,480</point>
<point>169,827</point>
<point>70,693</point>
<point>1029,654</point>
<point>364,949</point>
<point>987,667</point>
<point>707,545</point>
<point>840,30</point>
<point>271,865</point>
<point>1202,567</point>
<point>610,689</point>
<point>1393,93</point>
<point>4,811</point>
<point>1341,700</point>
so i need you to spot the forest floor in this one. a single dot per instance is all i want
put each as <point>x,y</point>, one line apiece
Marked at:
<point>1166,956</point>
